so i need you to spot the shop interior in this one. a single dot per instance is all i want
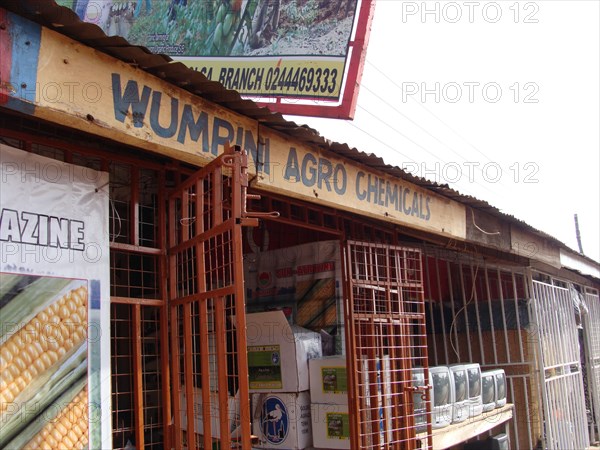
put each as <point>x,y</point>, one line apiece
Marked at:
<point>394,302</point>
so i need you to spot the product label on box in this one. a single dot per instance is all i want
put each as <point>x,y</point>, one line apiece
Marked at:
<point>334,380</point>
<point>338,426</point>
<point>274,420</point>
<point>264,367</point>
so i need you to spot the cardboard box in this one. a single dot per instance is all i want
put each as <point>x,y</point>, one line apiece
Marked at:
<point>278,353</point>
<point>328,380</point>
<point>233,407</point>
<point>330,426</point>
<point>282,420</point>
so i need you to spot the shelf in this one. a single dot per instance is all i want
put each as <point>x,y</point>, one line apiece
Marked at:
<point>455,434</point>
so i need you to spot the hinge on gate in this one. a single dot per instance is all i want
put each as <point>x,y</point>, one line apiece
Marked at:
<point>247,222</point>
<point>250,218</point>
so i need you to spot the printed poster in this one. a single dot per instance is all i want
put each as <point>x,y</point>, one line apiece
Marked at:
<point>54,304</point>
<point>304,282</point>
<point>261,48</point>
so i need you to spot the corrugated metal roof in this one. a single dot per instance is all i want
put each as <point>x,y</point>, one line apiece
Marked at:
<point>65,21</point>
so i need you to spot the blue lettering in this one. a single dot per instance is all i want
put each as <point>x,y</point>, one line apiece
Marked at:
<point>291,167</point>
<point>373,187</point>
<point>217,139</point>
<point>239,136</point>
<point>406,209</point>
<point>196,127</point>
<point>415,205</point>
<point>155,112</point>
<point>260,155</point>
<point>428,215</point>
<point>325,172</point>
<point>391,195</point>
<point>339,175</point>
<point>381,191</point>
<point>306,180</point>
<point>421,209</point>
<point>130,99</point>
<point>360,195</point>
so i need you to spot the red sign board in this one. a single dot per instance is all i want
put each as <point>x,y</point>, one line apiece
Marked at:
<point>301,57</point>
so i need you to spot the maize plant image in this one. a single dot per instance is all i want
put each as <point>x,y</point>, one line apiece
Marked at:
<point>43,362</point>
<point>193,28</point>
<point>225,27</point>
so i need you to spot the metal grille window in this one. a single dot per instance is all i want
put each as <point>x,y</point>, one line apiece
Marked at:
<point>565,424</point>
<point>122,375</point>
<point>138,285</point>
<point>152,375</point>
<point>48,151</point>
<point>591,330</point>
<point>478,312</point>
<point>386,330</point>
<point>134,275</point>
<point>137,377</point>
<point>120,203</point>
<point>148,208</point>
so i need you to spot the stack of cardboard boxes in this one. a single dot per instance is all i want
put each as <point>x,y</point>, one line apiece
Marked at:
<point>278,355</point>
<point>329,397</point>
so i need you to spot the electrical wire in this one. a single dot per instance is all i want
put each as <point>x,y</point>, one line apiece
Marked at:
<point>489,233</point>
<point>400,133</point>
<point>407,138</point>
<point>394,83</point>
<point>430,112</point>
<point>420,127</point>
<point>380,141</point>
<point>467,303</point>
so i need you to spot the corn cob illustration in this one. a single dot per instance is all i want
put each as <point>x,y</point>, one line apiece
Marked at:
<point>31,295</point>
<point>47,339</point>
<point>64,425</point>
<point>69,430</point>
<point>50,389</point>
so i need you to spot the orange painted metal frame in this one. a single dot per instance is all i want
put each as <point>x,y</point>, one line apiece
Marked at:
<point>218,220</point>
<point>385,319</point>
<point>347,107</point>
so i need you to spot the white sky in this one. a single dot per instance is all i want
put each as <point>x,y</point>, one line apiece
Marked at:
<point>547,152</point>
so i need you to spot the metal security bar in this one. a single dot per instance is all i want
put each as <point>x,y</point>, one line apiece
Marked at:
<point>386,340</point>
<point>208,324</point>
<point>123,412</point>
<point>565,422</point>
<point>137,376</point>
<point>477,312</point>
<point>591,331</point>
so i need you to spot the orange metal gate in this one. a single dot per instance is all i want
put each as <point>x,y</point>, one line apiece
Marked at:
<point>208,322</point>
<point>386,338</point>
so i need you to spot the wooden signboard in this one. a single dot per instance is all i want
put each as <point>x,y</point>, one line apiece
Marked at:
<point>55,78</point>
